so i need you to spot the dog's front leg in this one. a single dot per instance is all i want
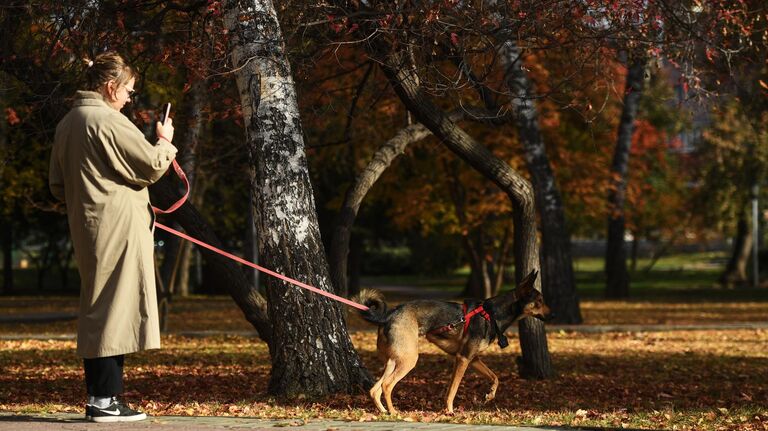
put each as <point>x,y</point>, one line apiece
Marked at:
<point>459,368</point>
<point>484,370</point>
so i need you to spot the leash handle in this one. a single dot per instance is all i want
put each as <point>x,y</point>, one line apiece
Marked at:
<point>180,202</point>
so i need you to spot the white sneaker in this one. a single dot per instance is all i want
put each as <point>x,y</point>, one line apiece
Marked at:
<point>116,412</point>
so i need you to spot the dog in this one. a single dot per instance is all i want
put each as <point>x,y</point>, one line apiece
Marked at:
<point>461,330</point>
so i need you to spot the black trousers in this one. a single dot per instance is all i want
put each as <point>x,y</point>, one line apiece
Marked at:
<point>104,376</point>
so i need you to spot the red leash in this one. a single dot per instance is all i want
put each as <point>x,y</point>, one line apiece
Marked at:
<point>181,201</point>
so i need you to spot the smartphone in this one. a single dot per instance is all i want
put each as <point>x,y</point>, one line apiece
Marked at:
<point>164,112</point>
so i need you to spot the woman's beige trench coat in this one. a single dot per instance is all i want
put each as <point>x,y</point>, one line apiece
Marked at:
<point>101,165</point>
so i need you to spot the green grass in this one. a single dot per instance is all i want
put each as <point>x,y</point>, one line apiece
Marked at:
<point>688,277</point>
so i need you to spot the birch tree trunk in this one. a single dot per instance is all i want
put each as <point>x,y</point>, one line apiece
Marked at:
<point>402,75</point>
<point>558,282</point>
<point>312,354</point>
<point>617,276</point>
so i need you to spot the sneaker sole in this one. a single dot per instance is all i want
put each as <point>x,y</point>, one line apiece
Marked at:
<point>109,419</point>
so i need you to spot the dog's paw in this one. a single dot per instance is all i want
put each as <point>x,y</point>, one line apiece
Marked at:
<point>490,396</point>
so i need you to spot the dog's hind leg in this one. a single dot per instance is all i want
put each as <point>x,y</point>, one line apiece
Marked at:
<point>484,370</point>
<point>376,389</point>
<point>459,368</point>
<point>404,364</point>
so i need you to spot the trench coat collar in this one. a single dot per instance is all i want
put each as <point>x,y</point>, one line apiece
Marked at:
<point>90,98</point>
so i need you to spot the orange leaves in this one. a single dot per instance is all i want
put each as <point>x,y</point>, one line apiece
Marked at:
<point>685,380</point>
<point>12,117</point>
<point>694,380</point>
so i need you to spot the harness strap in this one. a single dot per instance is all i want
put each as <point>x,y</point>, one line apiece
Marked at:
<point>478,310</point>
<point>446,328</point>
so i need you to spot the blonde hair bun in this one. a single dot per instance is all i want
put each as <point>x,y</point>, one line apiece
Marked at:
<point>105,67</point>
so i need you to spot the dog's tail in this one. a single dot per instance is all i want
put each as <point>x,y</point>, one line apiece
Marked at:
<point>377,308</point>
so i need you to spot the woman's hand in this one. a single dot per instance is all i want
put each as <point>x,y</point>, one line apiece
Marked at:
<point>165,131</point>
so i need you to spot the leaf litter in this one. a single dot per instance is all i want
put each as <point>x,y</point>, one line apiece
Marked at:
<point>684,380</point>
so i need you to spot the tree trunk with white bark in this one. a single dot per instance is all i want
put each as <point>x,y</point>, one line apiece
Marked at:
<point>312,354</point>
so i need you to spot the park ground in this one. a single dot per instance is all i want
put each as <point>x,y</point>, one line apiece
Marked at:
<point>666,378</point>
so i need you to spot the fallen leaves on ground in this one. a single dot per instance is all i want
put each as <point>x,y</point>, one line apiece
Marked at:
<point>685,380</point>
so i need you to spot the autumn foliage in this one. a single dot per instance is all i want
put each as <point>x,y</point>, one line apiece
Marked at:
<point>693,380</point>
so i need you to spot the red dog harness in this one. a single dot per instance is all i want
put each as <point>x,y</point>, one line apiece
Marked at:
<point>467,316</point>
<point>466,319</point>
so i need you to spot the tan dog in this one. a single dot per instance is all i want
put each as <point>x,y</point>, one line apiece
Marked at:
<point>459,330</point>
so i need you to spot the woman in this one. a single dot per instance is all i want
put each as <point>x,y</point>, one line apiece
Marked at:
<point>100,168</point>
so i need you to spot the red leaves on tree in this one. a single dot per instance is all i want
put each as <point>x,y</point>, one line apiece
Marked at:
<point>12,117</point>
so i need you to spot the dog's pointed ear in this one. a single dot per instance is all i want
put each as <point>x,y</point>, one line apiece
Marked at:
<point>525,287</point>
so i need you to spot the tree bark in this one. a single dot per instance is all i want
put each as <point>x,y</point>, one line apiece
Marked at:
<point>617,276</point>
<point>735,273</point>
<point>251,244</point>
<point>558,283</point>
<point>401,73</point>
<point>501,260</point>
<point>312,354</point>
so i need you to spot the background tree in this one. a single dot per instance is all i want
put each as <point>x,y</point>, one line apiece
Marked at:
<point>616,274</point>
<point>559,286</point>
<point>732,155</point>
